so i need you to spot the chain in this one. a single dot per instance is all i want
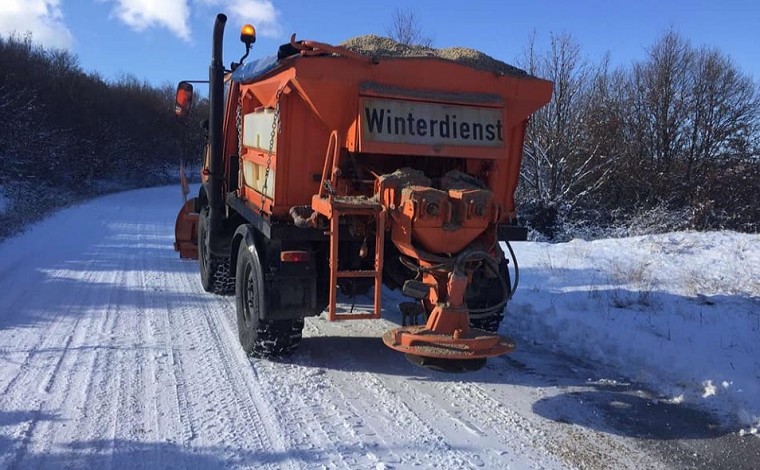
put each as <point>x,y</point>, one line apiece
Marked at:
<point>275,131</point>
<point>239,125</point>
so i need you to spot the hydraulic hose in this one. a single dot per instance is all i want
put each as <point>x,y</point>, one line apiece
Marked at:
<point>490,262</point>
<point>508,291</point>
<point>517,269</point>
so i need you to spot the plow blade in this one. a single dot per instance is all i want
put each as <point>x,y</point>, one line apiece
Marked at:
<point>186,231</point>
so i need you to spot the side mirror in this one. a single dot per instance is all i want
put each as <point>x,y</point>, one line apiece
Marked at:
<point>184,100</point>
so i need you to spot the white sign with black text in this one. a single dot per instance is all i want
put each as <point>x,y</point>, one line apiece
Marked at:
<point>412,122</point>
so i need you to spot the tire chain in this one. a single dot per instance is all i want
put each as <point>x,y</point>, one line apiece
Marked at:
<point>224,283</point>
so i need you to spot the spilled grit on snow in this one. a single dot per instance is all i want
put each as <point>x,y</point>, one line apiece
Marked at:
<point>679,312</point>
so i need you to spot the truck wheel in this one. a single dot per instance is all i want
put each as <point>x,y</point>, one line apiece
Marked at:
<point>260,338</point>
<point>215,271</point>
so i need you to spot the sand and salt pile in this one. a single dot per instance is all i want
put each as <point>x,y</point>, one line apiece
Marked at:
<point>378,46</point>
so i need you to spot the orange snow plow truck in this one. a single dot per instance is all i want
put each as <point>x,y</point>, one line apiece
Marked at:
<point>332,170</point>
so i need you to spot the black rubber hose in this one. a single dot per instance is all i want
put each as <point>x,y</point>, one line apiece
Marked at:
<point>517,270</point>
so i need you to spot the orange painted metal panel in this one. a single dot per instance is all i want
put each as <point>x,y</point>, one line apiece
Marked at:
<point>321,94</point>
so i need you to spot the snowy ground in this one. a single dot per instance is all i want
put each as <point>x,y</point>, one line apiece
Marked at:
<point>679,312</point>
<point>111,356</point>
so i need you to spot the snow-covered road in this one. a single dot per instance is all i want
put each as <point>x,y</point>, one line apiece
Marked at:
<point>112,356</point>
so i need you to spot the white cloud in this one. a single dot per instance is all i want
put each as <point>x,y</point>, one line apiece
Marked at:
<point>43,18</point>
<point>142,14</point>
<point>260,13</point>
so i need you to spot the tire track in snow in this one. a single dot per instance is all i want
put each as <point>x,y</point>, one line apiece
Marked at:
<point>46,339</point>
<point>154,328</point>
<point>239,418</point>
<point>472,417</point>
<point>400,433</point>
<point>59,346</point>
<point>468,415</point>
<point>321,431</point>
<point>95,408</point>
<point>378,439</point>
<point>128,414</point>
<point>316,429</point>
<point>357,399</point>
<point>247,385</point>
<point>180,402</point>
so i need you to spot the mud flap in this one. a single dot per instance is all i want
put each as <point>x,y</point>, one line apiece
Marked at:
<point>186,231</point>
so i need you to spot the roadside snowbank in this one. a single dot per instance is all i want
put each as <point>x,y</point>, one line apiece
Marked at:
<point>679,312</point>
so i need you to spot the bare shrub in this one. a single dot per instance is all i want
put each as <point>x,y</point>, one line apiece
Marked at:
<point>405,28</point>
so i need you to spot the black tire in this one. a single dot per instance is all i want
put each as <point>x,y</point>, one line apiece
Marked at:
<point>486,293</point>
<point>215,271</point>
<point>260,338</point>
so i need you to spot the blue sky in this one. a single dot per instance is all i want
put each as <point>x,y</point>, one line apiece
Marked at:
<point>163,41</point>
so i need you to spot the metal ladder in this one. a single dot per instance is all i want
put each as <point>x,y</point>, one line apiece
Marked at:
<point>339,209</point>
<point>327,203</point>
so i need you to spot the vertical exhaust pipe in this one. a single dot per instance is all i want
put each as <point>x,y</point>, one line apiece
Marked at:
<point>214,186</point>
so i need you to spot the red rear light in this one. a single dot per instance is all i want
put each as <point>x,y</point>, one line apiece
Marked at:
<point>295,256</point>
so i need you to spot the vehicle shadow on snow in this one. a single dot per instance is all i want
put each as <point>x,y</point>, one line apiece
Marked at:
<point>593,400</point>
<point>574,391</point>
<point>12,441</point>
<point>17,428</point>
<point>623,412</point>
<point>59,296</point>
<point>599,398</point>
<point>18,433</point>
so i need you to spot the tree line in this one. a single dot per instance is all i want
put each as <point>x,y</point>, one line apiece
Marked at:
<point>66,134</point>
<point>670,142</point>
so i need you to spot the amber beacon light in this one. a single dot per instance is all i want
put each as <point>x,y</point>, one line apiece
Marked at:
<point>248,34</point>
